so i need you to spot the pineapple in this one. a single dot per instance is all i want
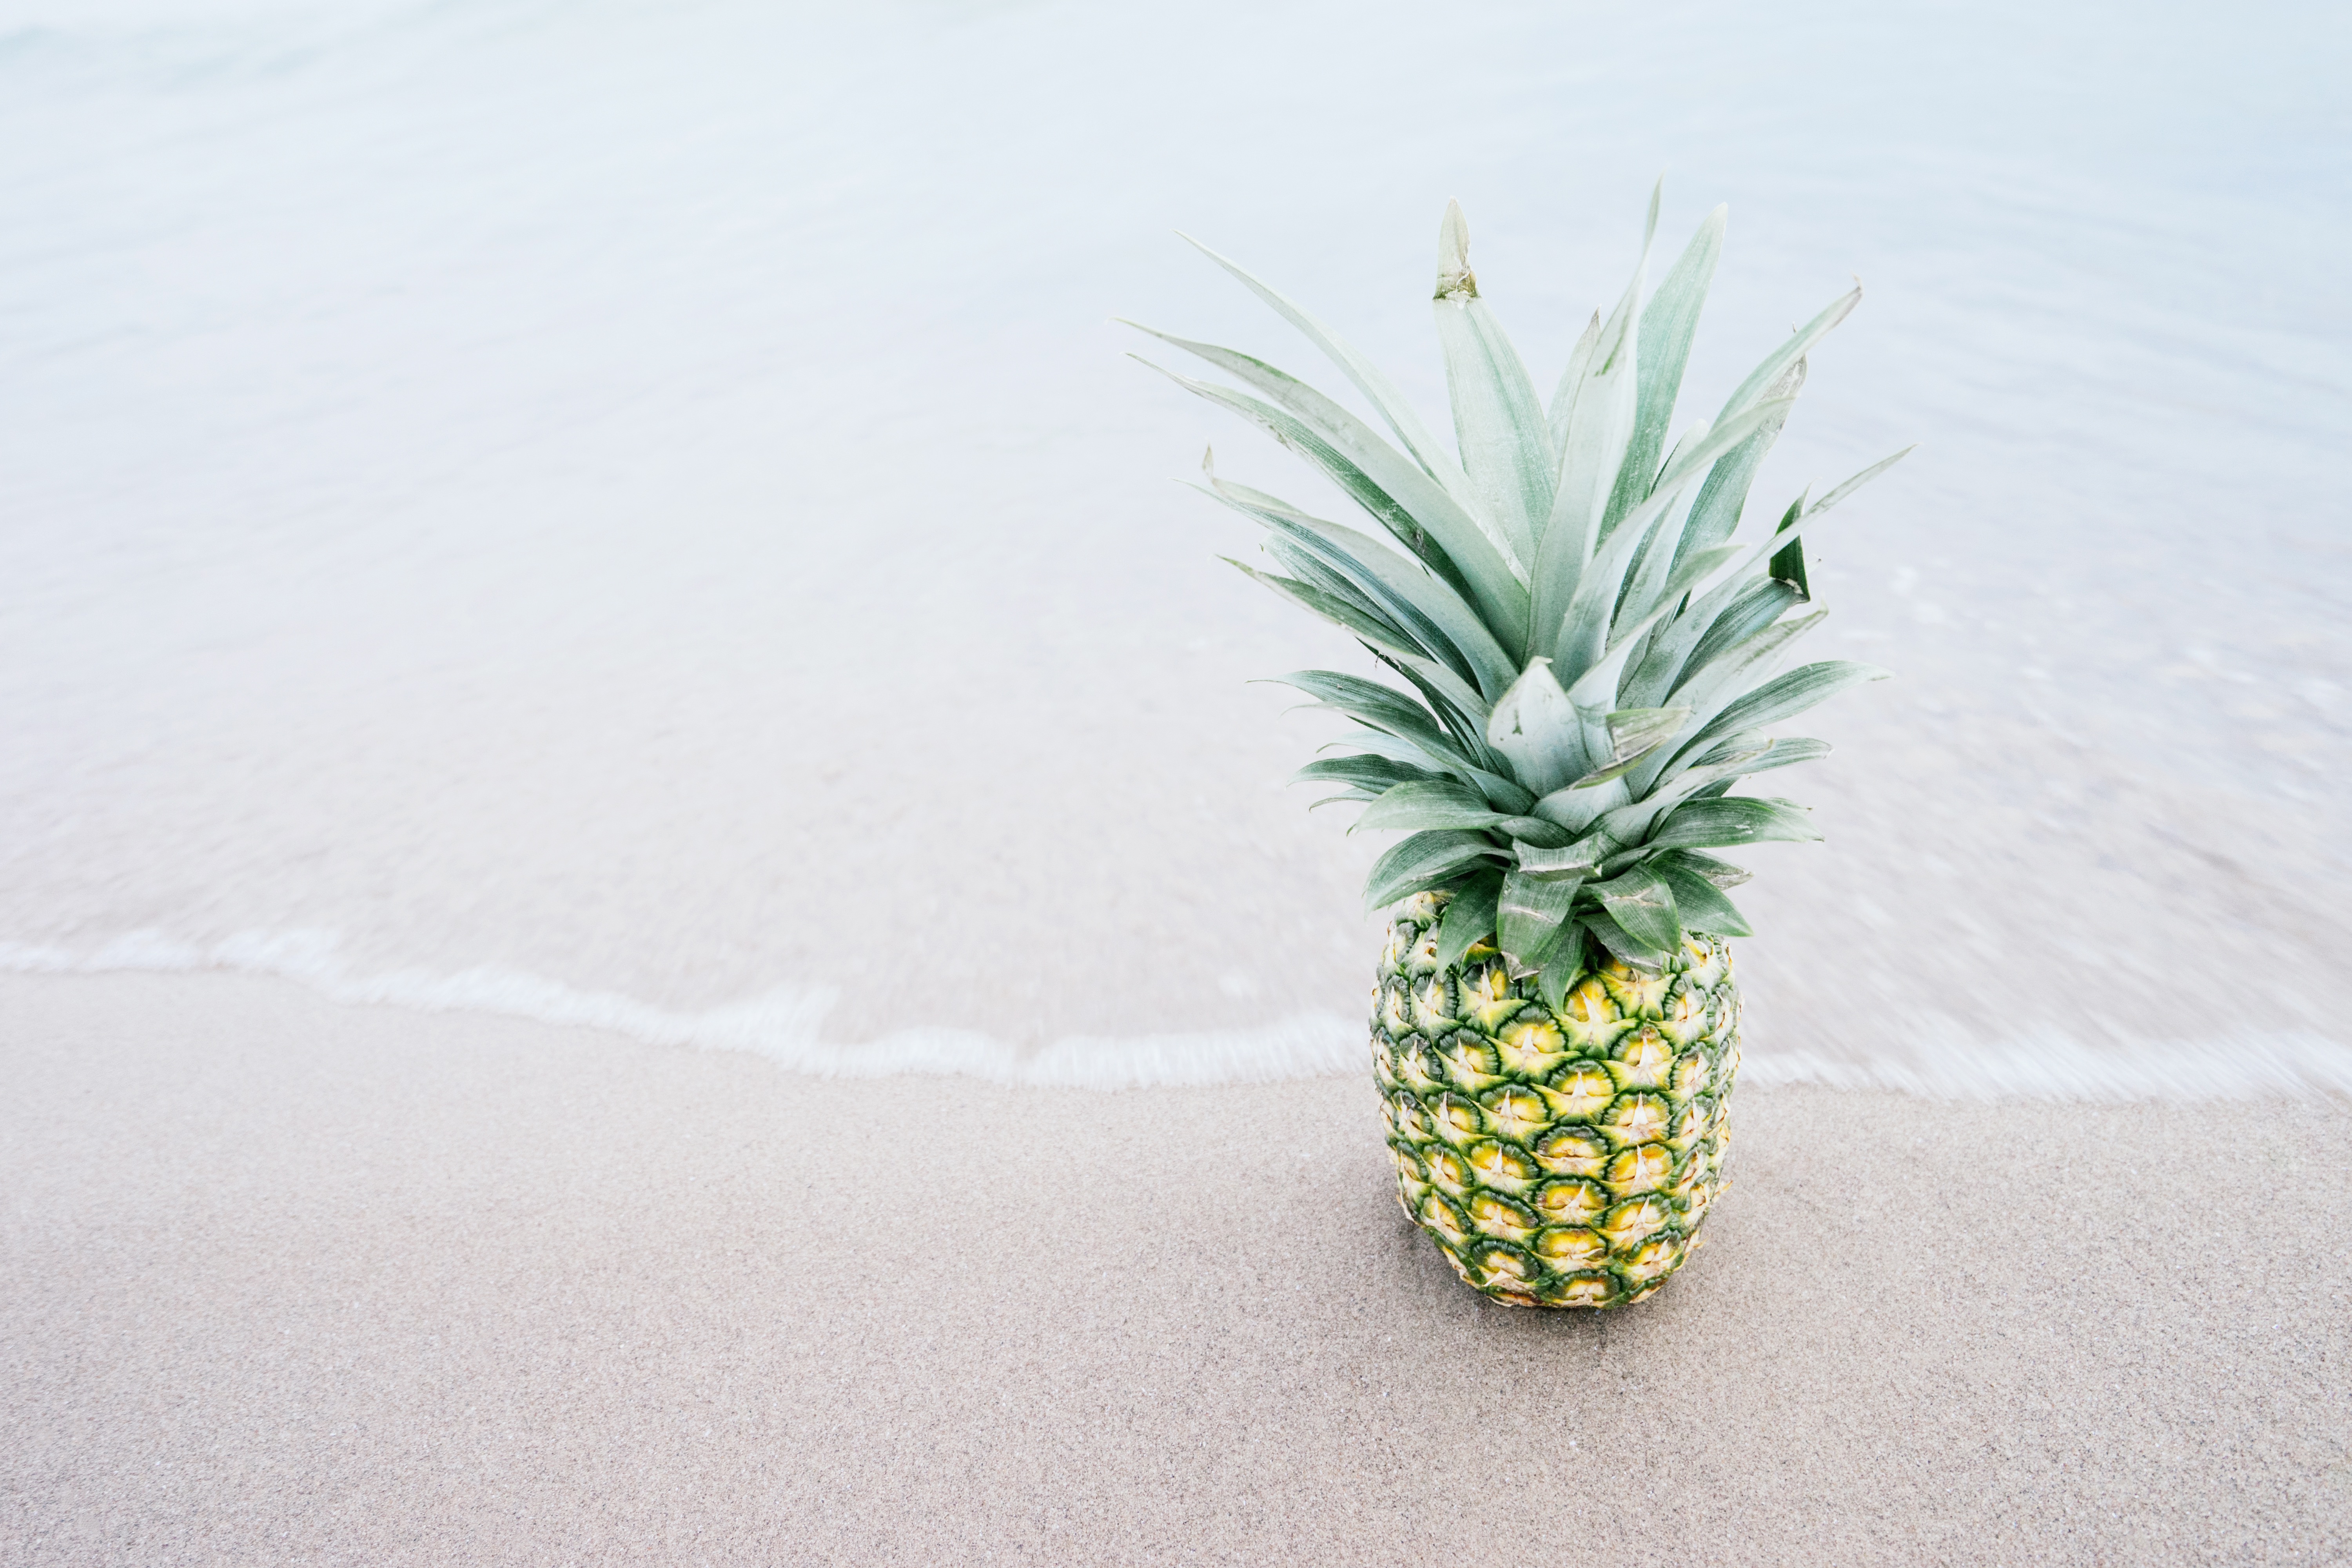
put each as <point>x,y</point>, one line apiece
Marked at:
<point>1587,657</point>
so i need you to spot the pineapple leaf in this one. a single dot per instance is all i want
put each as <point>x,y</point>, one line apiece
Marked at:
<point>1580,366</point>
<point>1367,377</point>
<point>1620,944</point>
<point>1595,684</point>
<point>1839,492</point>
<point>1733,820</point>
<point>1634,734</point>
<point>1699,903</point>
<point>1670,646</point>
<point>1498,421</point>
<point>1440,532</point>
<point>1420,804</point>
<point>1600,396</point>
<point>1789,567</point>
<point>1786,696</point>
<point>1469,919</point>
<point>1784,753</point>
<point>1561,965</point>
<point>1752,609</point>
<point>1457,704</point>
<point>1432,609</point>
<point>1710,693</point>
<point>1723,498</point>
<point>1316,573</point>
<point>1372,627</point>
<point>1661,547</point>
<point>1633,730</point>
<point>1598,424</point>
<point>1390,469</point>
<point>1590,596</point>
<point>1532,914</point>
<point>1668,325</point>
<point>1368,702</point>
<point>1738,757</point>
<point>1535,726</point>
<point>1615,771</point>
<point>1369,772</point>
<point>1440,764</point>
<point>1720,873</point>
<point>1631,822</point>
<point>1791,528</point>
<point>1420,862</point>
<point>1711,689</point>
<point>1535,831</point>
<point>1504,794</point>
<point>1579,860</point>
<point>1776,364</point>
<point>1643,905</point>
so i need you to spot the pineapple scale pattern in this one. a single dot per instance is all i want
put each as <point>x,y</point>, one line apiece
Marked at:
<point>1557,1159</point>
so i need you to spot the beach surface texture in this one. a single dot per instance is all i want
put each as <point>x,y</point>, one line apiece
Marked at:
<point>293,1282</point>
<point>647,914</point>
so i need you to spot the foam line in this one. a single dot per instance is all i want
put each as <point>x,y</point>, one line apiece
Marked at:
<point>2052,1066</point>
<point>785,1026</point>
<point>782,1025</point>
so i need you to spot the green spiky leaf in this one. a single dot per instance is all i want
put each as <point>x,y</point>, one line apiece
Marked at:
<point>1430,524</point>
<point>1469,917</point>
<point>1419,805</point>
<point>1498,421</point>
<point>1699,901</point>
<point>1788,569</point>
<point>1721,823</point>
<point>1574,861</point>
<point>1423,861</point>
<point>1368,378</point>
<point>1532,914</point>
<point>1785,696</point>
<point>1643,905</point>
<point>1668,323</point>
<point>1619,942</point>
<point>1370,773</point>
<point>1582,649</point>
<point>1562,964</point>
<point>1536,728</point>
<point>1634,734</point>
<point>1718,873</point>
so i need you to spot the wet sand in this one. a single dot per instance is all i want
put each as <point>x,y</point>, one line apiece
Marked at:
<point>287,1281</point>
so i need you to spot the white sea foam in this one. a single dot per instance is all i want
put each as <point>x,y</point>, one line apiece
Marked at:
<point>2050,1066</point>
<point>786,1025</point>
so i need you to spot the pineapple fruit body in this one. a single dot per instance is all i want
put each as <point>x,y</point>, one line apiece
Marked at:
<point>1557,1159</point>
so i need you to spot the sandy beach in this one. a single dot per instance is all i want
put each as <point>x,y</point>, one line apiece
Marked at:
<point>292,1282</point>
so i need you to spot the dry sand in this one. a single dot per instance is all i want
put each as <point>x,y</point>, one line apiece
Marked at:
<point>289,1282</point>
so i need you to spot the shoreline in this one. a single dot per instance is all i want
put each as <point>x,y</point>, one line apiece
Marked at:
<point>294,1282</point>
<point>783,1026</point>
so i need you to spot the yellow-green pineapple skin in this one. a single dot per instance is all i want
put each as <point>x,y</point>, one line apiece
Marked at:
<point>1557,1158</point>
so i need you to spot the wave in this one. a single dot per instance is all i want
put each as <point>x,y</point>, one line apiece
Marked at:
<point>785,1026</point>
<point>2052,1066</point>
<point>782,1025</point>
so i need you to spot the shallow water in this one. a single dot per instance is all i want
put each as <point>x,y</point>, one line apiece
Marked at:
<point>636,514</point>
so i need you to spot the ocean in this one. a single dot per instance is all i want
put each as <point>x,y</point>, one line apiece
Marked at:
<point>640,515</point>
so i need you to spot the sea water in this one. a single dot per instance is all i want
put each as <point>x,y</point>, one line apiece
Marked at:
<point>636,515</point>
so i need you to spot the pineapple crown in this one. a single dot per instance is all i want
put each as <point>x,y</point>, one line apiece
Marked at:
<point>1590,653</point>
